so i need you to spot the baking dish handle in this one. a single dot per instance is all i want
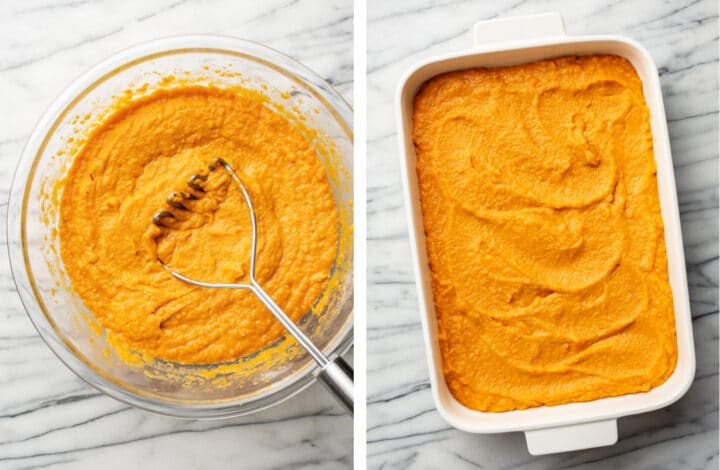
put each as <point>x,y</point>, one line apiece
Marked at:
<point>518,28</point>
<point>569,438</point>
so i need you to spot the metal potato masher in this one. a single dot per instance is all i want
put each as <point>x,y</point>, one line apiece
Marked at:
<point>335,374</point>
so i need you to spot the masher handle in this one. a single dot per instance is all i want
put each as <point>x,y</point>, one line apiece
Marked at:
<point>337,377</point>
<point>335,374</point>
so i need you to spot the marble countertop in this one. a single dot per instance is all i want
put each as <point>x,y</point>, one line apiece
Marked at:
<point>48,416</point>
<point>404,429</point>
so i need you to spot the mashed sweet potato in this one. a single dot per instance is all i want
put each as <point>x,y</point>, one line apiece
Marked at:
<point>121,177</point>
<point>544,233</point>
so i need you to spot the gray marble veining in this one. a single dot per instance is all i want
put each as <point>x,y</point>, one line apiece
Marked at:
<point>404,429</point>
<point>49,417</point>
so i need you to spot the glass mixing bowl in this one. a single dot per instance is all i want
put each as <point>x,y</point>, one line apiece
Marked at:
<point>193,391</point>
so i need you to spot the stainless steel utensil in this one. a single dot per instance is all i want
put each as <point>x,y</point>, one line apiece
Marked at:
<point>335,374</point>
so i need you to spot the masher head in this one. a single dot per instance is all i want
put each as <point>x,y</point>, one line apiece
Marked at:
<point>182,201</point>
<point>179,200</point>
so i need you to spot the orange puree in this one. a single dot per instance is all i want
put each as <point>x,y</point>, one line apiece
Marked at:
<point>150,148</point>
<point>544,234</point>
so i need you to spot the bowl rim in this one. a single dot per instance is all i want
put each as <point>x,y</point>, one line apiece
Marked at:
<point>19,193</point>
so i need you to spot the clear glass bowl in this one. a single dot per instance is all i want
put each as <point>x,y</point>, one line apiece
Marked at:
<point>194,391</point>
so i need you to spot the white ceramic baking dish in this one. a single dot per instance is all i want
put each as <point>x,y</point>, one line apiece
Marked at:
<point>577,425</point>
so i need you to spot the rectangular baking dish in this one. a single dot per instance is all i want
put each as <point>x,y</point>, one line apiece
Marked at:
<point>576,425</point>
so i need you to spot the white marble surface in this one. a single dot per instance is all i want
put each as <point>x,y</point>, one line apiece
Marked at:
<point>49,417</point>
<point>404,429</point>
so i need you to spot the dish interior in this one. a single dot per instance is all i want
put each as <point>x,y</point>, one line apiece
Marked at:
<point>547,230</point>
